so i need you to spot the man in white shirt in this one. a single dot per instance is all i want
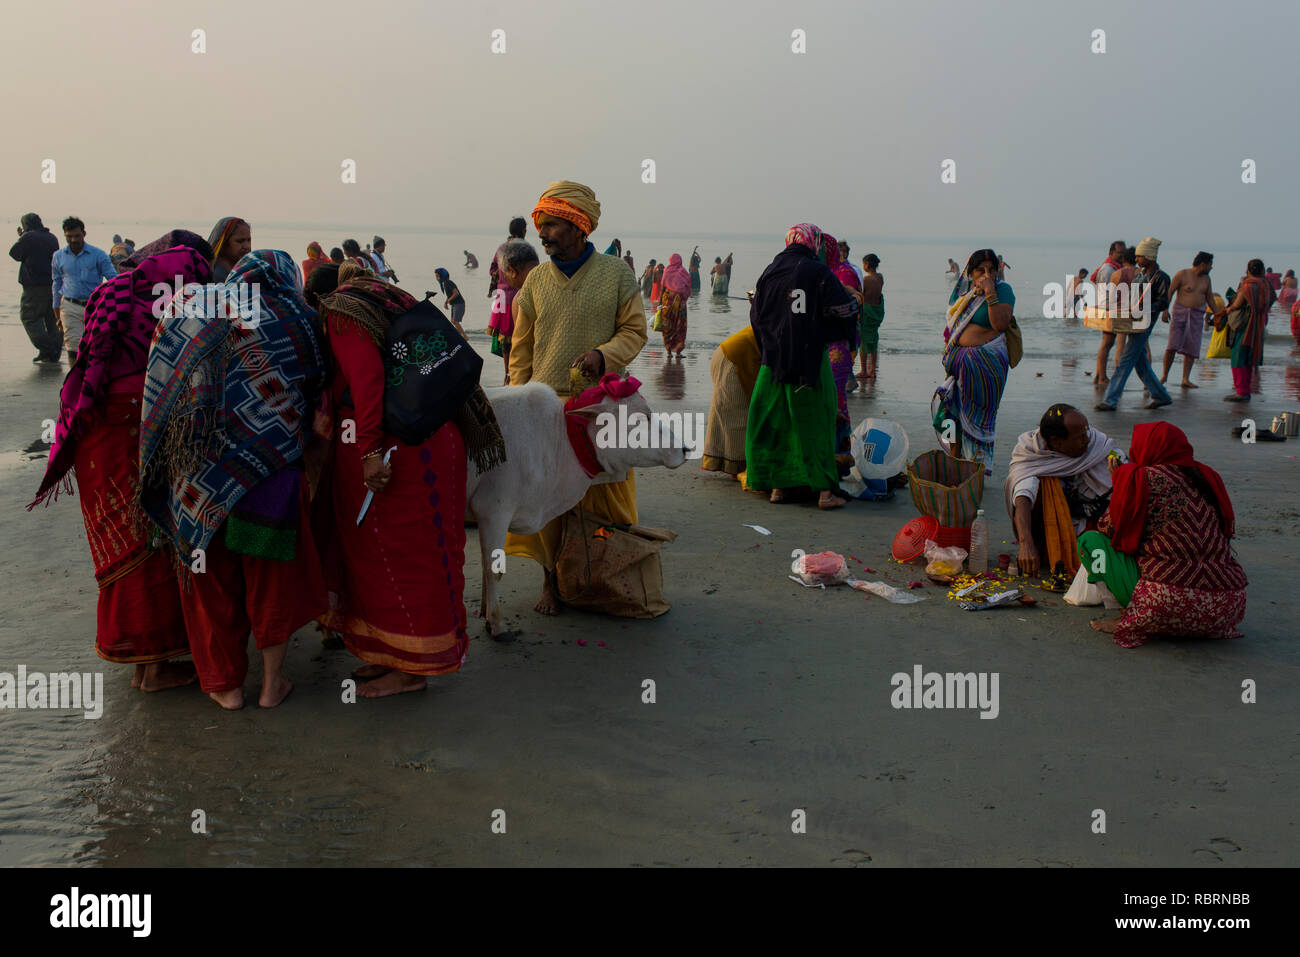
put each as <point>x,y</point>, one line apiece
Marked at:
<point>1062,449</point>
<point>377,257</point>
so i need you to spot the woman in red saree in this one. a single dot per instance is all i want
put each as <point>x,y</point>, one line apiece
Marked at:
<point>396,580</point>
<point>675,290</point>
<point>315,257</point>
<point>139,618</point>
<point>657,284</point>
<point>1173,515</point>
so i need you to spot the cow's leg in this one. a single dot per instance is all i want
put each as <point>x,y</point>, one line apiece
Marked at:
<point>492,539</point>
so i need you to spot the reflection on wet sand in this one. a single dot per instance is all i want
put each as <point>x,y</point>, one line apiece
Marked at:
<point>1291,382</point>
<point>671,378</point>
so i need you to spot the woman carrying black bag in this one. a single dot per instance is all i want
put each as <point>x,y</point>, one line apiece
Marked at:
<point>394,565</point>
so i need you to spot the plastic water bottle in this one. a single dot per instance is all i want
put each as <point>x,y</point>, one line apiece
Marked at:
<point>979,544</point>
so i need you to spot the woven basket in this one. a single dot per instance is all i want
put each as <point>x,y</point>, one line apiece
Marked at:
<point>948,488</point>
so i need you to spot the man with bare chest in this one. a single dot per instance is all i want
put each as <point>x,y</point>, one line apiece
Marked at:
<point>1192,295</point>
<point>871,316</point>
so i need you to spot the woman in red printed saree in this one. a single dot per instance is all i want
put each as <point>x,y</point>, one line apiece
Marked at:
<point>396,580</point>
<point>1173,516</point>
<point>675,290</point>
<point>139,619</point>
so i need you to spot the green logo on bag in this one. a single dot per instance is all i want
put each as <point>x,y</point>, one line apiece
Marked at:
<point>423,352</point>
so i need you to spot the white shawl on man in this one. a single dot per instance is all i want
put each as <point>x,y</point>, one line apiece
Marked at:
<point>1033,459</point>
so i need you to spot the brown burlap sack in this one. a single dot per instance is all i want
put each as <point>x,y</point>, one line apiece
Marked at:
<point>604,568</point>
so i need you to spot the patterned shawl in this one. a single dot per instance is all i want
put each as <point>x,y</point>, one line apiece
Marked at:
<point>371,304</point>
<point>177,237</point>
<point>120,322</point>
<point>226,401</point>
<point>806,234</point>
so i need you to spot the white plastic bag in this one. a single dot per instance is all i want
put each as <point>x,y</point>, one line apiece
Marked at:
<point>943,562</point>
<point>823,568</point>
<point>1084,593</point>
<point>887,592</point>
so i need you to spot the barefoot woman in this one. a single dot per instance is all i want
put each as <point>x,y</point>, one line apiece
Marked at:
<point>1164,544</point>
<point>98,434</point>
<point>398,576</point>
<point>799,308</point>
<point>224,424</point>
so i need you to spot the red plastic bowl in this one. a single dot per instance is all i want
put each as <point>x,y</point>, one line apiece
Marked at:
<point>909,543</point>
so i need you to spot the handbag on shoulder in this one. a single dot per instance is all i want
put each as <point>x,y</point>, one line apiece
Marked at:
<point>429,373</point>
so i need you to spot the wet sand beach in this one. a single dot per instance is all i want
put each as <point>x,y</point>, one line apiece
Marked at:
<point>769,697</point>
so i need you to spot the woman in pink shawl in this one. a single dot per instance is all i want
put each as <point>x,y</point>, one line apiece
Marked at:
<point>841,353</point>
<point>97,438</point>
<point>672,302</point>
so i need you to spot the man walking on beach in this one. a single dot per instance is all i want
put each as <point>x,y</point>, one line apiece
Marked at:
<point>577,317</point>
<point>1155,291</point>
<point>35,248</point>
<point>873,314</point>
<point>1192,296</point>
<point>75,271</point>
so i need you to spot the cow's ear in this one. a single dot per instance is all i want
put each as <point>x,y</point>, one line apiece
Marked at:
<point>591,411</point>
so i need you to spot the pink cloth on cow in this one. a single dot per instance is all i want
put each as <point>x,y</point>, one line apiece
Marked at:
<point>613,385</point>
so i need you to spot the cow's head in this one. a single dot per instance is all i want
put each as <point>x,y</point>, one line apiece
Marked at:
<point>627,434</point>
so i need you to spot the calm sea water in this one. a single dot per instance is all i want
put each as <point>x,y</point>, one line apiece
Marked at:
<point>916,287</point>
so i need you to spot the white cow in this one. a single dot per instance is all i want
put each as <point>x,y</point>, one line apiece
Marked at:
<point>541,478</point>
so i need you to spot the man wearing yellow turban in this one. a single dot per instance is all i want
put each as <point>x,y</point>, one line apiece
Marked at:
<point>577,317</point>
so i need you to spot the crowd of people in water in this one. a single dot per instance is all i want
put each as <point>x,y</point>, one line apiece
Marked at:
<point>239,477</point>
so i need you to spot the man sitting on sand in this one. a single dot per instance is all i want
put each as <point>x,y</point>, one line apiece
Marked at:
<point>1057,486</point>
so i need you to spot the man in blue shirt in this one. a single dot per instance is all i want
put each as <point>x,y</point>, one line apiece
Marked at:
<point>35,248</point>
<point>76,270</point>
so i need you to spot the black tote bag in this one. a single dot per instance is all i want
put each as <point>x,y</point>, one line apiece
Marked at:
<point>429,373</point>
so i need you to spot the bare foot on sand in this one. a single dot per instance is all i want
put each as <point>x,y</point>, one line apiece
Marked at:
<point>1189,385</point>
<point>395,682</point>
<point>274,693</point>
<point>231,700</point>
<point>549,603</point>
<point>162,675</point>
<point>1105,625</point>
<point>829,500</point>
<point>369,672</point>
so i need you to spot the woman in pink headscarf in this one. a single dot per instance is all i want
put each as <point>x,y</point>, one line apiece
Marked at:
<point>841,353</point>
<point>672,302</point>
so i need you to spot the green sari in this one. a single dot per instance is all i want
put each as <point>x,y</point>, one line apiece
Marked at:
<point>790,436</point>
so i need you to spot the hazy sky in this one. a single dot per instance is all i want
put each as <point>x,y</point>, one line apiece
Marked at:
<point>1050,140</point>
